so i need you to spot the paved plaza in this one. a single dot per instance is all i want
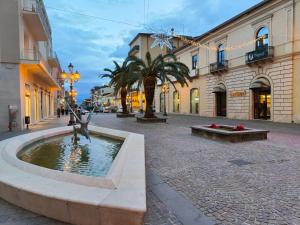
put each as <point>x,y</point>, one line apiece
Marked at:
<point>220,183</point>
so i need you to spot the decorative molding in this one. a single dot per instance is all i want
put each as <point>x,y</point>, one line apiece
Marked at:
<point>263,19</point>
<point>221,39</point>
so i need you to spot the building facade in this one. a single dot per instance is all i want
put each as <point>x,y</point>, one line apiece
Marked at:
<point>29,69</point>
<point>246,68</point>
<point>139,46</point>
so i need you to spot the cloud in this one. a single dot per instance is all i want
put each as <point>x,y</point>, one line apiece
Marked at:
<point>91,43</point>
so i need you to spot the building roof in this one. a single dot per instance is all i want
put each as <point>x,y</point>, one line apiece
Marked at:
<point>138,35</point>
<point>227,22</point>
<point>149,34</point>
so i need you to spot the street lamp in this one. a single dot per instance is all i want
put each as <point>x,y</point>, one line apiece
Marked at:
<point>71,78</point>
<point>164,90</point>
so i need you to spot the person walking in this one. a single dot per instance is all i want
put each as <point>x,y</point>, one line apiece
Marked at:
<point>58,112</point>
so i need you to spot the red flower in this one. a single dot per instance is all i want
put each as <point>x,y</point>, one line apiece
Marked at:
<point>239,128</point>
<point>214,126</point>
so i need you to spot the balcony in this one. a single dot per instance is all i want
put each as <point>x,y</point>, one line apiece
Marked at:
<point>35,16</point>
<point>53,60</point>
<point>219,67</point>
<point>135,49</point>
<point>260,55</point>
<point>35,63</point>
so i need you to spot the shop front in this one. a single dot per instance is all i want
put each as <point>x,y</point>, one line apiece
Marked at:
<point>261,89</point>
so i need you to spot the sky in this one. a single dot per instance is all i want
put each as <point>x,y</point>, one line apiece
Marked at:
<point>93,33</point>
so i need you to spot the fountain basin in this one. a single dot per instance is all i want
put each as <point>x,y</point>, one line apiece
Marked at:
<point>117,198</point>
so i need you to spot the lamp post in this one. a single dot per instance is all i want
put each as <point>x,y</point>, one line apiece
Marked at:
<point>71,78</point>
<point>164,90</point>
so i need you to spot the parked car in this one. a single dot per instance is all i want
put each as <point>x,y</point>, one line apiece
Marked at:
<point>107,109</point>
<point>120,109</point>
<point>114,109</point>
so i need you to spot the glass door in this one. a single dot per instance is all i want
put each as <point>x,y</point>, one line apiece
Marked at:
<point>262,104</point>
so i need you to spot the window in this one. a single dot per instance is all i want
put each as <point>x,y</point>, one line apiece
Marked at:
<point>176,102</point>
<point>194,95</point>
<point>194,61</point>
<point>262,38</point>
<point>221,54</point>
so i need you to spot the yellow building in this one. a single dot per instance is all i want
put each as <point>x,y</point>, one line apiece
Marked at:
<point>246,68</point>
<point>139,46</point>
<point>28,67</point>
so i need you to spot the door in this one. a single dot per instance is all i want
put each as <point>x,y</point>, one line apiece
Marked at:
<point>262,104</point>
<point>221,104</point>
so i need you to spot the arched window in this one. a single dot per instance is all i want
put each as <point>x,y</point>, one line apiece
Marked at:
<point>194,95</point>
<point>176,102</point>
<point>262,37</point>
<point>221,54</point>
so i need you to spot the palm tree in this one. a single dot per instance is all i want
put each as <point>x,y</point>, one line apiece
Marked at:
<point>120,80</point>
<point>163,68</point>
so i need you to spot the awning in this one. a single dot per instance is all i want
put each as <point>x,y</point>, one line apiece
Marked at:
<point>260,83</point>
<point>220,88</point>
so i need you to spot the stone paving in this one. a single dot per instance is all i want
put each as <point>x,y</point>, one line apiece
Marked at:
<point>263,190</point>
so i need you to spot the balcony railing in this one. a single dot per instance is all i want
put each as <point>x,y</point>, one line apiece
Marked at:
<point>53,59</point>
<point>30,55</point>
<point>35,57</point>
<point>219,67</point>
<point>260,55</point>
<point>37,6</point>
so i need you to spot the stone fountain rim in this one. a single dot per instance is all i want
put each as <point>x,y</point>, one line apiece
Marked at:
<point>123,187</point>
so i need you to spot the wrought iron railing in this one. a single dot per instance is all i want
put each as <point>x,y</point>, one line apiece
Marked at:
<point>219,67</point>
<point>260,54</point>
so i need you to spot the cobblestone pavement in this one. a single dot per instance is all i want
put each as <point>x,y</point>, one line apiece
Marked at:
<point>264,191</point>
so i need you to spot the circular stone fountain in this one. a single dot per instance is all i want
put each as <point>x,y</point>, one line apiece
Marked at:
<point>101,182</point>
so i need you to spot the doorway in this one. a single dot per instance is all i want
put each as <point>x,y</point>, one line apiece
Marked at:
<point>262,104</point>
<point>221,104</point>
<point>262,99</point>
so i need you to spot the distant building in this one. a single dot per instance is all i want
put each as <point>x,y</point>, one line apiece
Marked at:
<point>139,46</point>
<point>104,96</point>
<point>29,68</point>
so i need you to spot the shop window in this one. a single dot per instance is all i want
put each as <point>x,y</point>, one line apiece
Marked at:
<point>176,102</point>
<point>194,101</point>
<point>162,102</point>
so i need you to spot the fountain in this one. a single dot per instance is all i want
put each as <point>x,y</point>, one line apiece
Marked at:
<point>93,181</point>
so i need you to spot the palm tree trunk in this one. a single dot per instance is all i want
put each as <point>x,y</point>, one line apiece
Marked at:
<point>123,100</point>
<point>149,85</point>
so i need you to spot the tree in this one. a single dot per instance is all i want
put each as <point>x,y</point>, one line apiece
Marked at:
<point>120,80</point>
<point>162,68</point>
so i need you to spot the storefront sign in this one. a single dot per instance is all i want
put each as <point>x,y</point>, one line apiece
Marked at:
<point>238,94</point>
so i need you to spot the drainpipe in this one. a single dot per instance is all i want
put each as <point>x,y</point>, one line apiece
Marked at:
<point>293,58</point>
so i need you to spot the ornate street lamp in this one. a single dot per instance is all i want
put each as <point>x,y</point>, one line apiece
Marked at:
<point>71,78</point>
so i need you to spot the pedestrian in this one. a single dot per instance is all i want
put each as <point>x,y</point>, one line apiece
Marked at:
<point>67,111</point>
<point>58,112</point>
<point>63,111</point>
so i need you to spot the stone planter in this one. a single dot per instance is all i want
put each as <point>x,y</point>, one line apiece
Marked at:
<point>125,115</point>
<point>227,133</point>
<point>151,120</point>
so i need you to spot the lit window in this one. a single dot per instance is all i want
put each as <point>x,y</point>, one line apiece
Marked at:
<point>262,38</point>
